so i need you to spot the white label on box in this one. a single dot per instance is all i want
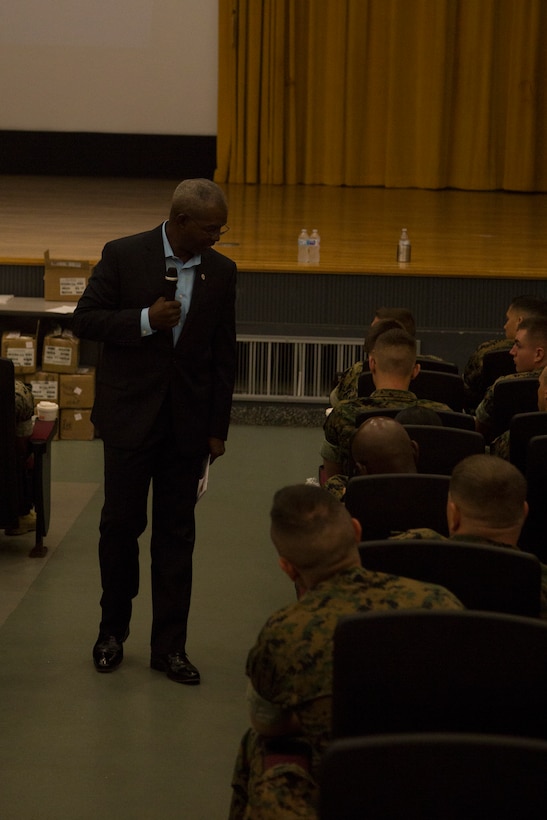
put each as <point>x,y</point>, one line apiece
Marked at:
<point>78,391</point>
<point>21,356</point>
<point>71,285</point>
<point>55,354</point>
<point>78,417</point>
<point>44,390</point>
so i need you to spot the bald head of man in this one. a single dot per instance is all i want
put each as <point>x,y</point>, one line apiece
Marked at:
<point>382,445</point>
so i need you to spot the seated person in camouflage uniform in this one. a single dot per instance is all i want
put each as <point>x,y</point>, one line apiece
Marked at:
<point>486,505</point>
<point>24,411</point>
<point>522,307</point>
<point>501,446</point>
<point>384,319</point>
<point>393,366</point>
<point>290,666</point>
<point>379,445</point>
<point>529,352</point>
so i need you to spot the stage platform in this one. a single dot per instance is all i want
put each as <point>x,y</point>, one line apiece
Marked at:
<point>471,251</point>
<point>453,233</point>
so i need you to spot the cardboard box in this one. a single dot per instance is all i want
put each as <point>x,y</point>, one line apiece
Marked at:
<point>77,389</point>
<point>44,386</point>
<point>76,425</point>
<point>65,279</point>
<point>61,353</point>
<point>21,349</point>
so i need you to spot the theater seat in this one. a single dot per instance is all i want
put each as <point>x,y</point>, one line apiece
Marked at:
<point>419,670</point>
<point>431,776</point>
<point>395,502</point>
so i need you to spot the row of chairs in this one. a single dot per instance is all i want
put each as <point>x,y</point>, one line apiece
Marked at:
<point>510,396</point>
<point>394,502</point>
<point>437,714</point>
<point>482,576</point>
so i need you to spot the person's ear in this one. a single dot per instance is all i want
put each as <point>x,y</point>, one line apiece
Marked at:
<point>415,371</point>
<point>288,568</point>
<point>526,510</point>
<point>539,355</point>
<point>416,451</point>
<point>357,529</point>
<point>453,516</point>
<point>371,362</point>
<point>361,469</point>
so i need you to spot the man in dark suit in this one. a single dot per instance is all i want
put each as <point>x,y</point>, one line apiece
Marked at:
<point>163,305</point>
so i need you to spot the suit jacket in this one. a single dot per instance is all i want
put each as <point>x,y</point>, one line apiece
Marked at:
<point>136,373</point>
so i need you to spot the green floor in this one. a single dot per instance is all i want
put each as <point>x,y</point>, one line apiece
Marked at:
<point>76,744</point>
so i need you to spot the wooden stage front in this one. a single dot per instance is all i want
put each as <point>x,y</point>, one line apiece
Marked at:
<point>453,233</point>
<point>471,251</point>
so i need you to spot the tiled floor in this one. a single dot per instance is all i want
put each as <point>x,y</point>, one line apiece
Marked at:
<point>77,745</point>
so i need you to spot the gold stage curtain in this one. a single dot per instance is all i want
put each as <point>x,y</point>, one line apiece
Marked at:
<point>395,93</point>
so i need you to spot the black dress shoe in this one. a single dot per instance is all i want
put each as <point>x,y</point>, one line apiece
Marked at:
<point>177,667</point>
<point>107,653</point>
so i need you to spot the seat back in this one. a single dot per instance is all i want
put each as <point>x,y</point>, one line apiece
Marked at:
<point>512,396</point>
<point>428,364</point>
<point>436,364</point>
<point>484,577</point>
<point>395,502</point>
<point>533,536</point>
<point>448,418</point>
<point>495,364</point>
<point>438,386</point>
<point>9,490</point>
<point>439,671</point>
<point>441,448</point>
<point>428,776</point>
<point>434,385</point>
<point>523,427</point>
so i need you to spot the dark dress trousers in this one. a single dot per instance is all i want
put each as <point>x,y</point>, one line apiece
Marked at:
<point>156,405</point>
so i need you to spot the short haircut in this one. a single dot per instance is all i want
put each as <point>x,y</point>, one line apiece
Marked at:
<point>310,527</point>
<point>489,489</point>
<point>194,197</point>
<point>376,330</point>
<point>536,329</point>
<point>529,305</point>
<point>395,352</point>
<point>416,414</point>
<point>402,315</point>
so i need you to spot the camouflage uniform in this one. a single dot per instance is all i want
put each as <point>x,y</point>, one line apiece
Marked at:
<point>424,533</point>
<point>24,409</point>
<point>472,374</point>
<point>290,667</point>
<point>340,424</point>
<point>501,446</point>
<point>347,386</point>
<point>337,486</point>
<point>483,413</point>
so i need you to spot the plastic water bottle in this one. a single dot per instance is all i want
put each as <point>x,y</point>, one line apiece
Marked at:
<point>303,240</point>
<point>314,247</point>
<point>403,248</point>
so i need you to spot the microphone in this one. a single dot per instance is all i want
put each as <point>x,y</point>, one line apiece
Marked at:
<point>171,281</point>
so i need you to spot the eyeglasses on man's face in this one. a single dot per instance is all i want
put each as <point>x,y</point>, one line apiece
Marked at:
<point>211,230</point>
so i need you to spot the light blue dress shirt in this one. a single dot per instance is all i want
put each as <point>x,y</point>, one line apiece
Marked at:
<point>186,272</point>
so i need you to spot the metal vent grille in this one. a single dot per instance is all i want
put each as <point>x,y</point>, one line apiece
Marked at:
<point>274,368</point>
